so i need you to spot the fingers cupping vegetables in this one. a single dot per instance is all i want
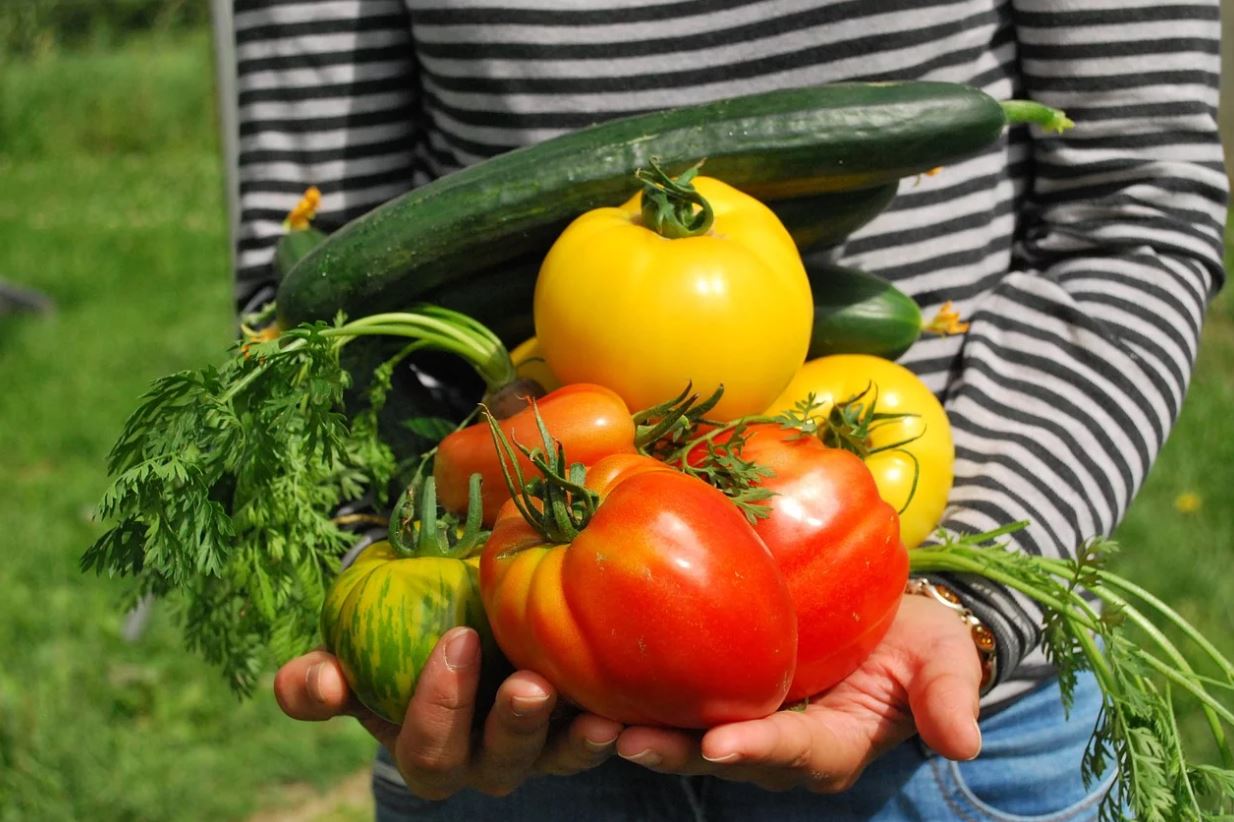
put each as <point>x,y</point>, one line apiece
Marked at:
<point>910,456</point>
<point>663,608</point>
<point>384,614</point>
<point>838,546</point>
<point>589,420</point>
<point>620,304</point>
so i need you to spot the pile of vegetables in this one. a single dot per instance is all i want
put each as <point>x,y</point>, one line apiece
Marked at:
<point>722,424</point>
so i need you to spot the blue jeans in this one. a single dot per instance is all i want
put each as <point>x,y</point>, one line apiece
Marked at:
<point>1029,769</point>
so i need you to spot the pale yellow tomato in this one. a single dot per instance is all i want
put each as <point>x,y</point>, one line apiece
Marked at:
<point>620,305</point>
<point>927,455</point>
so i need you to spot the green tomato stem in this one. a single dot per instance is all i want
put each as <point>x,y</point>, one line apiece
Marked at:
<point>556,503</point>
<point>669,203</point>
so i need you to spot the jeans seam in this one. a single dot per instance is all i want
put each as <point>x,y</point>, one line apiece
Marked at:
<point>936,766</point>
<point>1061,815</point>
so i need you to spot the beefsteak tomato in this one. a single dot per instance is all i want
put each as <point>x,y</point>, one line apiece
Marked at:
<point>619,304</point>
<point>911,456</point>
<point>664,608</point>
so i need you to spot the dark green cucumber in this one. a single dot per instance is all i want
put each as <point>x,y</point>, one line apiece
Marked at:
<point>820,220</point>
<point>859,313</point>
<point>774,145</point>
<point>294,246</point>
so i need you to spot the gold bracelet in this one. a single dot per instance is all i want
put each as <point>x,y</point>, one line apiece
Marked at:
<point>983,637</point>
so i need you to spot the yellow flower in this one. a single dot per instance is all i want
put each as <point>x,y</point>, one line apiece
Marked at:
<point>298,218</point>
<point>1188,502</point>
<point>933,172</point>
<point>946,321</point>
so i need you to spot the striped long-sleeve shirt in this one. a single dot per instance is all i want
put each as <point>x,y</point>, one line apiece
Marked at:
<point>1083,262</point>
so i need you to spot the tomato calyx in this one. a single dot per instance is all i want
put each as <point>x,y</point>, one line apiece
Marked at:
<point>669,202</point>
<point>678,432</point>
<point>419,528</point>
<point>715,457</point>
<point>666,423</point>
<point>556,503</point>
<point>850,425</point>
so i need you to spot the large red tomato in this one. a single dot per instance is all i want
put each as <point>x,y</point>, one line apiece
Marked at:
<point>664,609</point>
<point>590,422</point>
<point>838,545</point>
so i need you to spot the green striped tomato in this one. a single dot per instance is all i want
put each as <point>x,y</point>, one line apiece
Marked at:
<point>386,611</point>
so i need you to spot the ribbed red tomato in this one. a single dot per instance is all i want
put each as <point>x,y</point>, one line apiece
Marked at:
<point>665,608</point>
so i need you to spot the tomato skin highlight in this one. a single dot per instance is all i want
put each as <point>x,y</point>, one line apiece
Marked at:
<point>750,309</point>
<point>667,608</point>
<point>590,421</point>
<point>838,545</point>
<point>837,378</point>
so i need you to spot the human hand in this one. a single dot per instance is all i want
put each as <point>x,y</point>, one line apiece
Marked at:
<point>923,678</point>
<point>435,748</point>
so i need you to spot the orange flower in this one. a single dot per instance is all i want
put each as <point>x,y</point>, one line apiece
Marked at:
<point>298,218</point>
<point>946,321</point>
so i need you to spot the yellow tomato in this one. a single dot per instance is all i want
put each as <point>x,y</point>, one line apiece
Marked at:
<point>926,436</point>
<point>618,304</point>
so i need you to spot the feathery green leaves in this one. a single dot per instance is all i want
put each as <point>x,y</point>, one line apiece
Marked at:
<point>226,480</point>
<point>1136,731</point>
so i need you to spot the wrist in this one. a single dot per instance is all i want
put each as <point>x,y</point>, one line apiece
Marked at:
<point>984,641</point>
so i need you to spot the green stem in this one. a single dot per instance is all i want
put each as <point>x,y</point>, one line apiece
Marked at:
<point>1192,800</point>
<point>1115,581</point>
<point>416,531</point>
<point>437,327</point>
<point>925,560</point>
<point>1100,665</point>
<point>1186,684</point>
<point>558,505</point>
<point>444,329</point>
<point>1109,596</point>
<point>1027,111</point>
<point>669,203</point>
<point>682,451</point>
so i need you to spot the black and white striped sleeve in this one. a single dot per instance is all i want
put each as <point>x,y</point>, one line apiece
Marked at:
<point>1076,364</point>
<point>326,96</point>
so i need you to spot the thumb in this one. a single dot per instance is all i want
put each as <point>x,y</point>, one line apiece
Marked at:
<point>944,693</point>
<point>311,687</point>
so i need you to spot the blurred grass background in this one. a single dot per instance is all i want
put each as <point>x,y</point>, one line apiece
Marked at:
<point>111,203</point>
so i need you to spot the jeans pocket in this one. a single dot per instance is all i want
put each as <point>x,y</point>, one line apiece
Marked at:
<point>1029,769</point>
<point>1028,799</point>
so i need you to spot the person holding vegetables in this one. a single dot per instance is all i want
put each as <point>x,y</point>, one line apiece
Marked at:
<point>1083,264</point>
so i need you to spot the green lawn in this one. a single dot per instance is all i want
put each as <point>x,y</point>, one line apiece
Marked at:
<point>112,205</point>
